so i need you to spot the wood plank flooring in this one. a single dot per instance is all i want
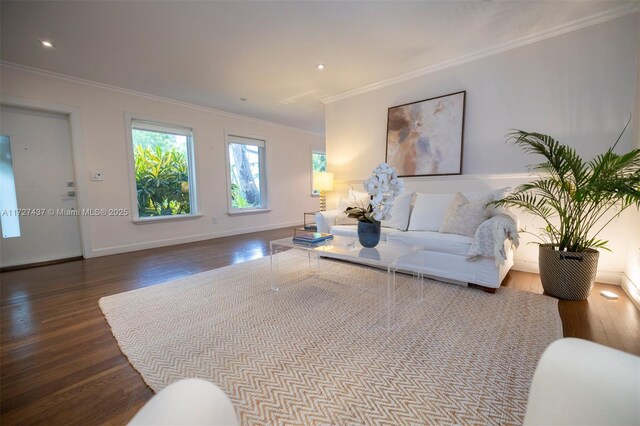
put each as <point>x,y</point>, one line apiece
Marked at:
<point>59,363</point>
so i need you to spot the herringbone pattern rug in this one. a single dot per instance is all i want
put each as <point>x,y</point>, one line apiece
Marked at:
<point>318,351</point>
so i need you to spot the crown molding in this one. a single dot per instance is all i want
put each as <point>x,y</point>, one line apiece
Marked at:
<point>39,71</point>
<point>494,50</point>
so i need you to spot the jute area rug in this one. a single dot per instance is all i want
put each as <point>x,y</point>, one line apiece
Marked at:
<point>318,351</point>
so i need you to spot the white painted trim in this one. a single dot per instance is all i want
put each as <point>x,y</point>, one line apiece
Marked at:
<point>77,148</point>
<point>167,218</point>
<point>248,211</point>
<point>129,117</point>
<point>598,18</point>
<point>511,176</point>
<point>188,239</point>
<point>609,277</point>
<point>265,184</point>
<point>39,71</point>
<point>602,276</point>
<point>632,289</point>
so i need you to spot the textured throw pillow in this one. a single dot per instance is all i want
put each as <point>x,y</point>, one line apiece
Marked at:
<point>428,211</point>
<point>400,212</point>
<point>463,216</point>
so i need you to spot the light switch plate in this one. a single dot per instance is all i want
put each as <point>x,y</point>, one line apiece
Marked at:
<point>97,176</point>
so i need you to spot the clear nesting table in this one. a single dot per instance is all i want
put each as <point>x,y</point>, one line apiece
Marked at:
<point>386,256</point>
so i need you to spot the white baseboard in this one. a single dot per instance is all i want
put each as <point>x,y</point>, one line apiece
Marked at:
<point>105,251</point>
<point>632,289</point>
<point>602,276</point>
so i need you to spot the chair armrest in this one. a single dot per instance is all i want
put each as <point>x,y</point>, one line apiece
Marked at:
<point>187,402</point>
<point>325,220</point>
<point>580,382</point>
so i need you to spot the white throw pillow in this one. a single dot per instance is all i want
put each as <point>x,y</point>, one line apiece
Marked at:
<point>400,212</point>
<point>343,219</point>
<point>358,195</point>
<point>354,199</point>
<point>428,211</point>
<point>463,217</point>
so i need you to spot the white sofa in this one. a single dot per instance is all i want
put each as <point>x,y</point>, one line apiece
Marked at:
<point>446,254</point>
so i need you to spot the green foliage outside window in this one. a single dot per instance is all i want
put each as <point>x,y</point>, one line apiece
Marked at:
<point>162,180</point>
<point>319,161</point>
<point>237,197</point>
<point>318,164</point>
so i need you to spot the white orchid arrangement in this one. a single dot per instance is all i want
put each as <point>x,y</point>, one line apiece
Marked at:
<point>383,186</point>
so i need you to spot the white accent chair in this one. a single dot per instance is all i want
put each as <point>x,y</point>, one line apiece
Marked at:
<point>187,402</point>
<point>578,382</point>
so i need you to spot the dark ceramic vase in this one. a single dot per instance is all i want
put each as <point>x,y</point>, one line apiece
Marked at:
<point>368,233</point>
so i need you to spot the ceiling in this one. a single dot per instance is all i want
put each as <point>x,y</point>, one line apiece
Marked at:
<point>212,53</point>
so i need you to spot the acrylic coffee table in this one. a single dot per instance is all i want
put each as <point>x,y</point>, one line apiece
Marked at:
<point>385,256</point>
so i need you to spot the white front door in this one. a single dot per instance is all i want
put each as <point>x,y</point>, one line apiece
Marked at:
<point>42,160</point>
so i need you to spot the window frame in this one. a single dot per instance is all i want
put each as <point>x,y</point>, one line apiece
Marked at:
<point>315,151</point>
<point>130,118</point>
<point>238,137</point>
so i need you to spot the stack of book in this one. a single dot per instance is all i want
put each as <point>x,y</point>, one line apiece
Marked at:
<point>312,238</point>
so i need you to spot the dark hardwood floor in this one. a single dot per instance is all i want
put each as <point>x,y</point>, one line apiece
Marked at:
<point>59,363</point>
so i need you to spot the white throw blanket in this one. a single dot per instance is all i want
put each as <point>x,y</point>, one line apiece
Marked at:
<point>490,238</point>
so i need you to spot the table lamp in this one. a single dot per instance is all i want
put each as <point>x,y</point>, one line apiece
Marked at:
<point>322,182</point>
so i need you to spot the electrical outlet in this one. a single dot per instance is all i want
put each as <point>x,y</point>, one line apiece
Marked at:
<point>214,220</point>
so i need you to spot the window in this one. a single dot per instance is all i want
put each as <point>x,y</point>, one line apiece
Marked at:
<point>318,164</point>
<point>10,219</point>
<point>163,171</point>
<point>247,174</point>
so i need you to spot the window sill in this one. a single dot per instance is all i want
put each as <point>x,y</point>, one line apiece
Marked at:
<point>248,211</point>
<point>157,219</point>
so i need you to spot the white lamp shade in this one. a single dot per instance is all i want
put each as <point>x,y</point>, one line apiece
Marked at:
<point>323,181</point>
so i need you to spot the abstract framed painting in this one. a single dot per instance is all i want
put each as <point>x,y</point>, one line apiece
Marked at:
<point>425,138</point>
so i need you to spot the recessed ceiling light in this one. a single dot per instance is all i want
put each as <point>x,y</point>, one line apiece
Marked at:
<point>243,99</point>
<point>320,66</point>
<point>47,43</point>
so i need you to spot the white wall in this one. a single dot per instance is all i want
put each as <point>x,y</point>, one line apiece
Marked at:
<point>101,112</point>
<point>631,281</point>
<point>578,87</point>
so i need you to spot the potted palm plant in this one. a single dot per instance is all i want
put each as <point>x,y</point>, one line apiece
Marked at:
<point>576,199</point>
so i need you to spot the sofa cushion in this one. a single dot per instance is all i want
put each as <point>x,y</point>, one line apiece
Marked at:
<point>400,211</point>
<point>463,216</point>
<point>352,231</point>
<point>433,241</point>
<point>428,211</point>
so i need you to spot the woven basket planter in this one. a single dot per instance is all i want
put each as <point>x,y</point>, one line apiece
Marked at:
<point>567,275</point>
